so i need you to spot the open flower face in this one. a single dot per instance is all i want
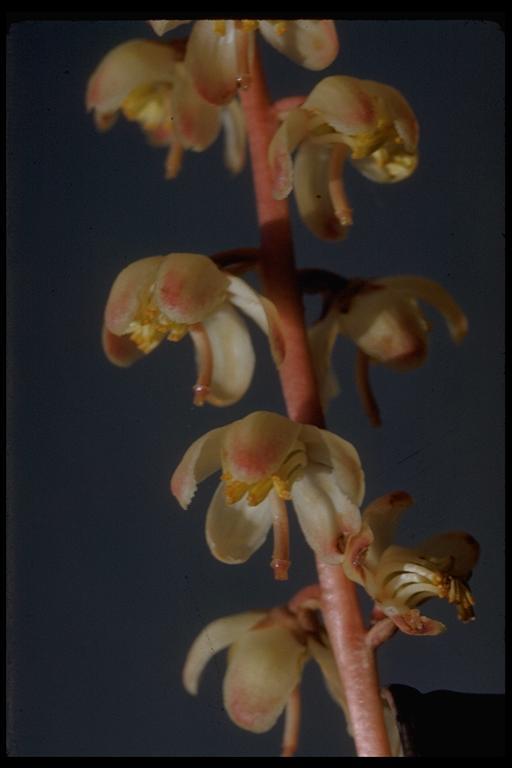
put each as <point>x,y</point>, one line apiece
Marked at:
<point>399,579</point>
<point>267,653</point>
<point>148,82</point>
<point>185,293</point>
<point>383,318</point>
<point>266,460</point>
<point>220,52</point>
<point>343,117</point>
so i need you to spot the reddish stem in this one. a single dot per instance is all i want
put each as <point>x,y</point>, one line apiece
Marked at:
<point>343,619</point>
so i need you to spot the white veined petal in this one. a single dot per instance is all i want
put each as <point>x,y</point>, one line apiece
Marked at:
<point>264,667</point>
<point>232,355</point>
<point>332,451</point>
<point>293,130</point>
<point>161,26</point>
<point>235,138</point>
<point>200,461</point>
<point>326,514</point>
<point>129,66</point>
<point>211,60</point>
<point>235,531</point>
<point>322,337</point>
<point>311,43</point>
<point>434,294</point>
<point>213,638</point>
<point>313,194</point>
<point>195,121</point>
<point>261,311</point>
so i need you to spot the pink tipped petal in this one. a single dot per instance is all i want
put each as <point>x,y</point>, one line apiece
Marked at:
<point>461,548</point>
<point>382,517</point>
<point>235,138</point>
<point>312,189</point>
<point>200,461</point>
<point>120,350</point>
<point>322,337</point>
<point>411,622</point>
<point>255,447</point>
<point>195,121</point>
<point>161,26</point>
<point>189,287</point>
<point>312,44</point>
<point>233,358</point>
<point>131,287</point>
<point>286,139</point>
<point>344,104</point>
<point>235,531</point>
<point>325,660</point>
<point>434,294</point>
<point>329,450</point>
<point>264,666</point>
<point>262,311</point>
<point>125,68</point>
<point>211,60</point>
<point>326,514</point>
<point>214,638</point>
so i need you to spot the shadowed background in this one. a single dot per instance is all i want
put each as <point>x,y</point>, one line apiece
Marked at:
<point>109,581</point>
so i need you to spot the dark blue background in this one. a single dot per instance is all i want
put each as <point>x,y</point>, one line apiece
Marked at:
<point>109,580</point>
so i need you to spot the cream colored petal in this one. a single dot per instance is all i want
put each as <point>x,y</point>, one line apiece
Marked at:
<point>344,104</point>
<point>293,130</point>
<point>131,287</point>
<point>461,548</point>
<point>120,350</point>
<point>255,447</point>
<point>261,311</point>
<point>189,286</point>
<point>235,136</point>
<point>326,514</point>
<point>128,66</point>
<point>212,62</point>
<point>313,194</point>
<point>322,337</point>
<point>235,531</point>
<point>432,293</point>
<point>213,638</point>
<point>264,666</point>
<point>329,450</point>
<point>394,108</point>
<point>200,461</point>
<point>196,122</point>
<point>323,656</point>
<point>232,356</point>
<point>312,44</point>
<point>382,516</point>
<point>161,26</point>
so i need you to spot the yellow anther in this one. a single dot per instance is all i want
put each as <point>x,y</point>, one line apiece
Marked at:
<point>280,27</point>
<point>282,487</point>
<point>249,25</point>
<point>219,26</point>
<point>234,490</point>
<point>259,491</point>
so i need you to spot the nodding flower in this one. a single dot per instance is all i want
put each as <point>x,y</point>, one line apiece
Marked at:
<point>187,294</point>
<point>400,579</point>
<point>369,123</point>
<point>220,52</point>
<point>383,318</point>
<point>149,84</point>
<point>266,460</point>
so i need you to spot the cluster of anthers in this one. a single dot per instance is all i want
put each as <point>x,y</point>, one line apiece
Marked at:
<point>182,93</point>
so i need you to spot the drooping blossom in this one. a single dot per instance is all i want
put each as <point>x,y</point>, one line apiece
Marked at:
<point>367,122</point>
<point>266,460</point>
<point>186,293</point>
<point>220,51</point>
<point>400,579</point>
<point>147,81</point>
<point>383,318</point>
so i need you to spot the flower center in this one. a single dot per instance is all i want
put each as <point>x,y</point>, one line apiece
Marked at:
<point>150,105</point>
<point>281,481</point>
<point>150,326</point>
